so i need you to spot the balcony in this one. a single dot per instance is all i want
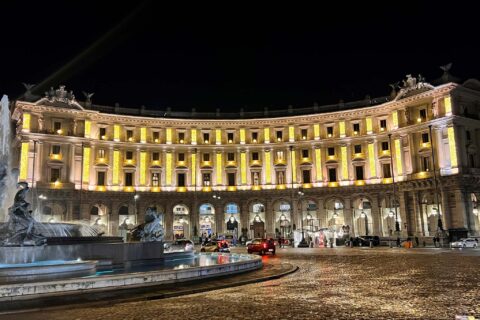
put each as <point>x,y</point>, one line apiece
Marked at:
<point>306,160</point>
<point>206,164</point>
<point>358,156</point>
<point>155,163</point>
<point>256,163</point>
<point>56,157</point>
<point>181,164</point>
<point>281,162</point>
<point>129,162</point>
<point>231,164</point>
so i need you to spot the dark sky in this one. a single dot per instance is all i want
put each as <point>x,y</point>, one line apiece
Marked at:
<point>232,56</point>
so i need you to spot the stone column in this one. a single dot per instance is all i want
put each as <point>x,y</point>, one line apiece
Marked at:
<point>417,226</point>
<point>168,227</point>
<point>112,211</point>
<point>269,219</point>
<point>347,212</point>
<point>458,219</point>
<point>402,198</point>
<point>376,217</point>
<point>219,217</point>
<point>321,213</point>
<point>244,217</point>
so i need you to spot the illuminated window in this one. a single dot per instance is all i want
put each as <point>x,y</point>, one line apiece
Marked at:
<point>231,179</point>
<point>57,126</point>
<point>206,179</point>
<point>426,164</point>
<point>331,151</point>
<point>357,148</point>
<point>230,156</point>
<point>181,157</point>
<point>356,127</point>
<point>155,156</point>
<point>230,137</point>
<point>386,170</point>
<point>155,179</point>
<point>206,157</point>
<point>181,180</point>
<point>55,149</point>
<point>305,153</point>
<point>54,174</point>
<point>181,137</point>
<point>101,153</point>
<point>128,179</point>
<point>254,137</point>
<point>306,176</point>
<point>304,133</point>
<point>255,156</point>
<point>425,138</point>
<point>332,174</point>
<point>330,131</point>
<point>102,133</point>
<point>129,155</point>
<point>129,135</point>
<point>423,114</point>
<point>359,172</point>
<point>156,136</point>
<point>206,137</point>
<point>100,178</point>
<point>279,134</point>
<point>383,125</point>
<point>385,146</point>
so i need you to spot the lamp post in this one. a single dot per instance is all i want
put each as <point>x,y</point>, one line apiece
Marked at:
<point>397,224</point>
<point>194,177</point>
<point>135,198</point>
<point>437,204</point>
<point>303,243</point>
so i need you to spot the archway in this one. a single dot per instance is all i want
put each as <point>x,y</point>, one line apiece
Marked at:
<point>335,216</point>
<point>53,212</point>
<point>207,219</point>
<point>432,212</point>
<point>362,217</point>
<point>389,212</point>
<point>283,219</point>
<point>181,222</point>
<point>256,220</point>
<point>99,218</point>
<point>232,220</point>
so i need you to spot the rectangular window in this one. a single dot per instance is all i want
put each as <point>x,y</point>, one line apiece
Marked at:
<point>181,180</point>
<point>306,176</point>
<point>305,153</point>
<point>230,137</point>
<point>206,179</point>
<point>356,128</point>
<point>386,170</point>
<point>129,155</point>
<point>156,136</point>
<point>100,178</point>
<point>102,133</point>
<point>206,157</point>
<point>358,148</point>
<point>331,151</point>
<point>101,153</point>
<point>128,179</point>
<point>329,131</point>
<point>280,155</point>
<point>304,133</point>
<point>206,138</point>
<point>279,135</point>
<point>385,146</point>
<point>426,164</point>
<point>231,178</point>
<point>54,174</point>
<point>181,137</point>
<point>129,135</point>
<point>255,156</point>
<point>254,137</point>
<point>383,125</point>
<point>469,137</point>
<point>230,156</point>
<point>359,172</point>
<point>57,126</point>
<point>471,160</point>
<point>425,138</point>
<point>155,179</point>
<point>156,156</point>
<point>423,114</point>
<point>56,149</point>
<point>332,174</point>
<point>181,157</point>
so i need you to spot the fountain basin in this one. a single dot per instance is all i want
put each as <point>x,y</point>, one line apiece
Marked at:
<point>45,270</point>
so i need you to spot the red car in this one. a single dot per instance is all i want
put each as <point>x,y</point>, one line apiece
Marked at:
<point>261,246</point>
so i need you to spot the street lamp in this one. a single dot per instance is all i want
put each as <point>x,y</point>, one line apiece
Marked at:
<point>135,198</point>
<point>303,243</point>
<point>397,224</point>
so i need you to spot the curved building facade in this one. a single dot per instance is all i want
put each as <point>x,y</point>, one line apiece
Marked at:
<point>356,170</point>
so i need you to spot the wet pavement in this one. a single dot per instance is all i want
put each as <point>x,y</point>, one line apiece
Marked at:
<point>340,283</point>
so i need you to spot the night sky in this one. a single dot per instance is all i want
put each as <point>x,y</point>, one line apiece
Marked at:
<point>232,56</point>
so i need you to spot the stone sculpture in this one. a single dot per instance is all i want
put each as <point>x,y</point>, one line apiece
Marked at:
<point>152,229</point>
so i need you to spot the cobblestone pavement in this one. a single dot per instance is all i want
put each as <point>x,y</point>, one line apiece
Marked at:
<point>341,283</point>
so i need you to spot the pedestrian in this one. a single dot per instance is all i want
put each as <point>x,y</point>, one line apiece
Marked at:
<point>417,244</point>
<point>398,242</point>
<point>435,242</point>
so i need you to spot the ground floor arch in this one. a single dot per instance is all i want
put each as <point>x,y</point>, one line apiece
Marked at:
<point>181,222</point>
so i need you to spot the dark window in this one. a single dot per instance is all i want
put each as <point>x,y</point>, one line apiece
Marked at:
<point>255,156</point>
<point>206,179</point>
<point>279,135</point>
<point>101,178</point>
<point>423,114</point>
<point>181,157</point>
<point>254,136</point>
<point>128,179</point>
<point>57,125</point>
<point>426,163</point>
<point>332,174</point>
<point>206,137</point>
<point>331,151</point>
<point>304,133</point>
<point>386,170</point>
<point>306,176</point>
<point>358,148</point>
<point>385,146</point>
<point>129,155</point>
<point>156,156</point>
<point>54,174</point>
<point>102,133</point>
<point>425,138</point>
<point>230,156</point>
<point>230,137</point>
<point>356,127</point>
<point>359,172</point>
<point>155,179</point>
<point>129,134</point>
<point>330,131</point>
<point>383,124</point>
<point>206,157</point>
<point>468,135</point>
<point>471,160</point>
<point>231,178</point>
<point>181,180</point>
<point>56,149</point>
<point>305,153</point>
<point>181,137</point>
<point>156,136</point>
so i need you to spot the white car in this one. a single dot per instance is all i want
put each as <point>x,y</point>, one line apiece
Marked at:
<point>464,243</point>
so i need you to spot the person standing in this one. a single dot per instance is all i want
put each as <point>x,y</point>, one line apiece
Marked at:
<point>398,242</point>
<point>435,241</point>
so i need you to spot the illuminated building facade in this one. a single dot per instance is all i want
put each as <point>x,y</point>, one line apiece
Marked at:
<point>222,173</point>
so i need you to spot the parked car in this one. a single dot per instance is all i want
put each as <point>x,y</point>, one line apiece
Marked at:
<point>465,243</point>
<point>179,245</point>
<point>215,246</point>
<point>364,241</point>
<point>262,246</point>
